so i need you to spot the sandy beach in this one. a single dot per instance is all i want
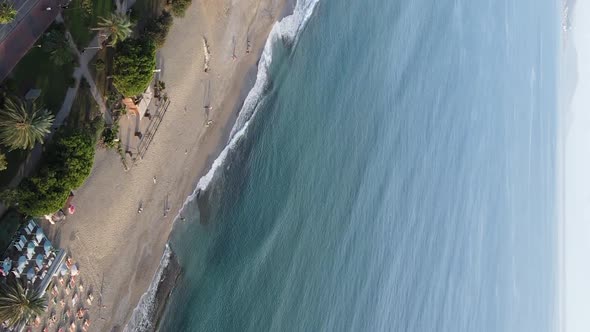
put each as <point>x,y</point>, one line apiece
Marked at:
<point>118,250</point>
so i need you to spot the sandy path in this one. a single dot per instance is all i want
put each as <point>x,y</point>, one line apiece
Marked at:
<point>118,249</point>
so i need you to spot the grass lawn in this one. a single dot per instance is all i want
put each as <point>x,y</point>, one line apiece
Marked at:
<point>83,15</point>
<point>9,223</point>
<point>36,71</point>
<point>84,108</point>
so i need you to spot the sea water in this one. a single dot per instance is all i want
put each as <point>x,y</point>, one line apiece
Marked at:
<point>392,170</point>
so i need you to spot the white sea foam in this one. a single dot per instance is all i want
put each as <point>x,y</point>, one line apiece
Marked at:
<point>288,30</point>
<point>143,315</point>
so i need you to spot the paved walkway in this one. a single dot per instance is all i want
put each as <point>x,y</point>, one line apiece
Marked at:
<point>19,36</point>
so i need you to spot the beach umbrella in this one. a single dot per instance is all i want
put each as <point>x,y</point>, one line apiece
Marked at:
<point>63,269</point>
<point>39,235</point>
<point>71,209</point>
<point>74,270</point>
<point>39,261</point>
<point>31,274</point>
<point>47,246</point>
<point>31,248</point>
<point>7,264</point>
<point>22,261</point>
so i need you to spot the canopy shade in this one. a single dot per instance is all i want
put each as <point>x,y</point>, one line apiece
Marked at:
<point>39,234</point>
<point>31,274</point>
<point>39,261</point>
<point>6,264</point>
<point>47,246</point>
<point>22,261</point>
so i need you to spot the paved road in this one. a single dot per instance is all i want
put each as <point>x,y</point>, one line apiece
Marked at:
<point>17,38</point>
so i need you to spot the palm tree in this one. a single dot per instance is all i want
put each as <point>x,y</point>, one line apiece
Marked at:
<point>117,25</point>
<point>57,45</point>
<point>3,162</point>
<point>18,304</point>
<point>7,12</point>
<point>22,124</point>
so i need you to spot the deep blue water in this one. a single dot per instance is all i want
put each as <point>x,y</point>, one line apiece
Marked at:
<point>399,175</point>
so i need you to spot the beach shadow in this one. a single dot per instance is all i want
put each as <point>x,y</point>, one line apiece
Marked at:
<point>166,209</point>
<point>57,239</point>
<point>207,98</point>
<point>128,140</point>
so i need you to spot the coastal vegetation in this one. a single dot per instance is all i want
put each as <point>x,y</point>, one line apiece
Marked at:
<point>3,162</point>
<point>134,66</point>
<point>7,12</point>
<point>83,15</point>
<point>23,124</point>
<point>56,44</point>
<point>68,163</point>
<point>179,7</point>
<point>157,29</point>
<point>117,26</point>
<point>109,137</point>
<point>19,304</point>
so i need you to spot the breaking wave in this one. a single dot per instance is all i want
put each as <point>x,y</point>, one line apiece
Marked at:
<point>287,30</point>
<point>142,318</point>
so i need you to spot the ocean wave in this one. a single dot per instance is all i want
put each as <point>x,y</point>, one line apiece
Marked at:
<point>287,30</point>
<point>142,317</point>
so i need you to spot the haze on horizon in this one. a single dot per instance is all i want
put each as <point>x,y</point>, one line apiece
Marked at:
<point>575,88</point>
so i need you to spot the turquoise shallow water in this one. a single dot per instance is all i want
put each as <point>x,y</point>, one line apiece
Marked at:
<point>399,175</point>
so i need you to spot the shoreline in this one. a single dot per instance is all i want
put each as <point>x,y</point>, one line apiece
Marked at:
<point>152,305</point>
<point>119,250</point>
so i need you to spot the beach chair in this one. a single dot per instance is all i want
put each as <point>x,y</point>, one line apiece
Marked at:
<point>30,227</point>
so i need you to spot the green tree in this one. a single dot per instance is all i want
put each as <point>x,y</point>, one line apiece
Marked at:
<point>7,13</point>
<point>72,156</point>
<point>39,195</point>
<point>68,163</point>
<point>157,29</point>
<point>117,25</point>
<point>134,66</point>
<point>3,162</point>
<point>18,305</point>
<point>22,124</point>
<point>57,45</point>
<point>179,7</point>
